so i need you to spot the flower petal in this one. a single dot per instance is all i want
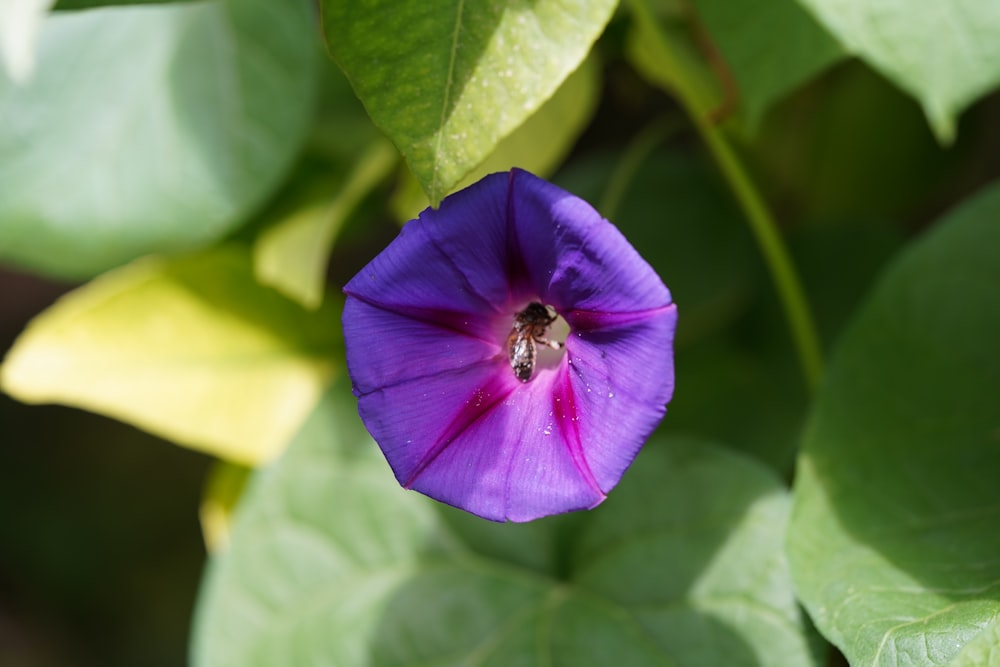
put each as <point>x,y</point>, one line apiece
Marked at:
<point>472,228</point>
<point>450,259</point>
<point>387,348</point>
<point>480,440</point>
<point>575,258</point>
<point>620,378</point>
<point>426,326</point>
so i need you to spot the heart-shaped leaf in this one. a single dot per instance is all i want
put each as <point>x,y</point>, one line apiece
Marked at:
<point>331,562</point>
<point>944,53</point>
<point>192,349</point>
<point>150,128</point>
<point>893,541</point>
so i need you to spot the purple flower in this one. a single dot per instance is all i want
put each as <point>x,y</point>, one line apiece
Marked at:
<point>452,347</point>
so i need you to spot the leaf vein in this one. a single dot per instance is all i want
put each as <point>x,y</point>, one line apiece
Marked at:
<point>448,85</point>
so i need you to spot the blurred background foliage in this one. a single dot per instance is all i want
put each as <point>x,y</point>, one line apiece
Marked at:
<point>102,552</point>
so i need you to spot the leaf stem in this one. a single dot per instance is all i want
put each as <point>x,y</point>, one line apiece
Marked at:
<point>779,262</point>
<point>761,221</point>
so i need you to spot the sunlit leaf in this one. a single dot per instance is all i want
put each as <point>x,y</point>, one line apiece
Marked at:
<point>538,146</point>
<point>191,349</point>
<point>981,649</point>
<point>893,540</point>
<point>292,254</point>
<point>447,79</point>
<point>332,562</point>
<point>944,53</point>
<point>150,128</point>
<point>20,21</point>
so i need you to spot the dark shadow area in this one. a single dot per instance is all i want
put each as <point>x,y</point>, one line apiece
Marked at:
<point>101,551</point>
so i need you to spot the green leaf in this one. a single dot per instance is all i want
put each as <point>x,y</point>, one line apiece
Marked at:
<point>448,79</point>
<point>292,254</point>
<point>333,563</point>
<point>539,145</point>
<point>981,649</point>
<point>893,540</point>
<point>191,349</point>
<point>150,128</point>
<point>769,47</point>
<point>691,549</point>
<point>943,53</point>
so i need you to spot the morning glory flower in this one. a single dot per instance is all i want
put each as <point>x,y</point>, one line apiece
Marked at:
<point>510,351</point>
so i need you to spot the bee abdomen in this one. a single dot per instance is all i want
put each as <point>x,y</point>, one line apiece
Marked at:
<point>522,356</point>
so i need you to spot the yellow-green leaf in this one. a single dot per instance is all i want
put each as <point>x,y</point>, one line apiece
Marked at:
<point>223,490</point>
<point>292,255</point>
<point>191,349</point>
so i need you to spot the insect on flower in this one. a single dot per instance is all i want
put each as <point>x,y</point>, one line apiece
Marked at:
<point>530,327</point>
<point>463,308</point>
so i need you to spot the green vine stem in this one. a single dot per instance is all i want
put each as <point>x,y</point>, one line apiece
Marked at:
<point>697,103</point>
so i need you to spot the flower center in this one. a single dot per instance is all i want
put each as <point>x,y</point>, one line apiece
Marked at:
<point>531,342</point>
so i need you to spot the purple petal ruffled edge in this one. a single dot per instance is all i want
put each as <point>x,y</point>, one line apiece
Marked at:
<point>574,258</point>
<point>545,244</point>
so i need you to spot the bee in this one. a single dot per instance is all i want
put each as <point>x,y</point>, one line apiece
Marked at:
<point>530,327</point>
